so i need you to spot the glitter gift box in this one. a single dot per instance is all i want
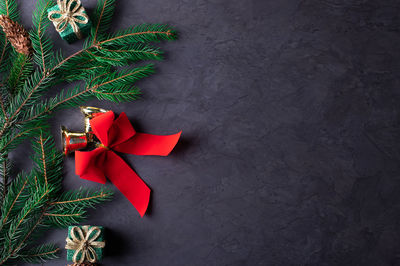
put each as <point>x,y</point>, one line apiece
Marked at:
<point>79,244</point>
<point>68,16</point>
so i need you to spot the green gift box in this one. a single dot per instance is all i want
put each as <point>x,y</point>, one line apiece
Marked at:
<point>70,19</point>
<point>87,241</point>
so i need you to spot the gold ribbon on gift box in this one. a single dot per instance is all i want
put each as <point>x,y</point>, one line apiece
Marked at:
<point>84,244</point>
<point>69,14</point>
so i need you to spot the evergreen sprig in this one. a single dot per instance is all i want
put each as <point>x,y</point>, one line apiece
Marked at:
<point>102,19</point>
<point>42,44</point>
<point>40,253</point>
<point>8,8</point>
<point>32,202</point>
<point>19,73</point>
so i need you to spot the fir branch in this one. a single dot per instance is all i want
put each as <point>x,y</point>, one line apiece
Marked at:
<point>123,57</point>
<point>115,86</point>
<point>140,33</point>
<point>117,94</point>
<point>4,102</point>
<point>5,165</point>
<point>3,109</point>
<point>22,226</point>
<point>123,77</point>
<point>40,254</point>
<point>15,199</point>
<point>31,92</point>
<point>19,73</point>
<point>11,140</point>
<point>42,44</point>
<point>9,8</point>
<point>4,51</point>
<point>47,162</point>
<point>82,198</point>
<point>62,218</point>
<point>15,249</point>
<point>43,160</point>
<point>34,203</point>
<point>34,224</point>
<point>102,18</point>
<point>66,98</point>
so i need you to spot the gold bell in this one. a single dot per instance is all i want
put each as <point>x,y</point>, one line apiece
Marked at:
<point>89,112</point>
<point>73,141</point>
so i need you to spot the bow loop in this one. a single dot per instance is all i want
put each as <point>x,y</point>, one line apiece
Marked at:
<point>101,126</point>
<point>120,131</point>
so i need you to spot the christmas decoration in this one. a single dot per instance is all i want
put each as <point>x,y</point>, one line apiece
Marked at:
<point>89,112</point>
<point>16,35</point>
<point>73,141</point>
<point>70,19</point>
<point>33,202</point>
<point>85,244</point>
<point>118,135</point>
<point>82,264</point>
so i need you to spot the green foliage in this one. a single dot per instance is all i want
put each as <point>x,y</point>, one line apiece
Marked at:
<point>5,48</point>
<point>122,57</point>
<point>21,69</point>
<point>31,93</point>
<point>141,33</point>
<point>70,206</point>
<point>5,169</point>
<point>42,44</point>
<point>7,8</point>
<point>82,198</point>
<point>15,136</point>
<point>17,195</point>
<point>102,19</point>
<point>116,86</point>
<point>33,202</point>
<point>40,254</point>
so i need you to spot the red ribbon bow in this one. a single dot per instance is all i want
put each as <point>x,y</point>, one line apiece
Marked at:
<point>119,135</point>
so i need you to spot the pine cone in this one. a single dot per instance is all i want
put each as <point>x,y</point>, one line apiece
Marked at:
<point>16,35</point>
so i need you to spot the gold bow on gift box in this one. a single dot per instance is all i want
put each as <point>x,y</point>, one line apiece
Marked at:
<point>84,244</point>
<point>69,14</point>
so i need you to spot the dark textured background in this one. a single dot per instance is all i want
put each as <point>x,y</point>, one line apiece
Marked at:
<point>290,150</point>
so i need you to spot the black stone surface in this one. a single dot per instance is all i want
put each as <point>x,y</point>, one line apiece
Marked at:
<point>290,151</point>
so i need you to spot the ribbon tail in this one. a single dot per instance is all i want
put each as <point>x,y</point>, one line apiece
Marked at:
<point>147,144</point>
<point>128,182</point>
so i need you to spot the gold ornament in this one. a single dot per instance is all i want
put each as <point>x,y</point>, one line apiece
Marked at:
<point>72,141</point>
<point>89,112</point>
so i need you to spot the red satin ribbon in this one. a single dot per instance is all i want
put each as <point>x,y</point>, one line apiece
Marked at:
<point>119,135</point>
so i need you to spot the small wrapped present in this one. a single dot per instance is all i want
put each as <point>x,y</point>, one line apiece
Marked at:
<point>82,264</point>
<point>70,19</point>
<point>85,244</point>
